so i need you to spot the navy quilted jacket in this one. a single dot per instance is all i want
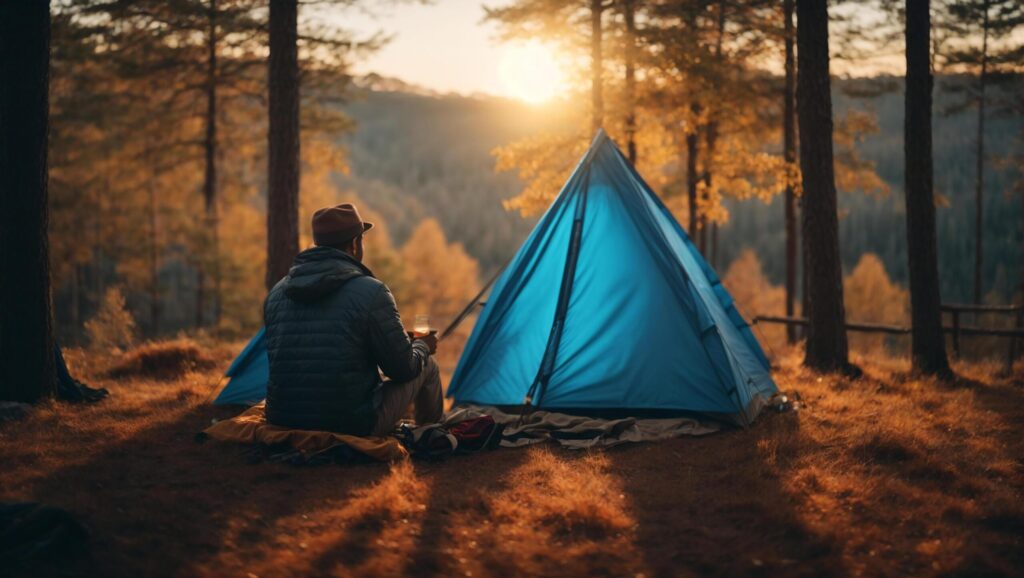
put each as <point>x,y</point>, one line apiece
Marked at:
<point>330,325</point>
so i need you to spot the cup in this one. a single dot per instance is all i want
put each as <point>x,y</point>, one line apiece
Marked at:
<point>421,325</point>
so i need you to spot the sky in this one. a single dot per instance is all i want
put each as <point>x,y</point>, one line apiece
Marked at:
<point>446,47</point>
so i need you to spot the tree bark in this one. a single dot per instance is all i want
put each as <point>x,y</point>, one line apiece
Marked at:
<point>692,151</point>
<point>628,13</point>
<point>979,180</point>
<point>210,156</point>
<point>789,150</point>
<point>596,65</point>
<point>713,249</point>
<point>154,254</point>
<point>283,153</point>
<point>706,232</point>
<point>26,322</point>
<point>827,348</point>
<point>928,345</point>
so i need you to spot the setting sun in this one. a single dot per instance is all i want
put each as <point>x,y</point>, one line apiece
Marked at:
<point>531,72</point>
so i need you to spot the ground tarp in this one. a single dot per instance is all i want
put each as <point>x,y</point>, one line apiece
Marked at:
<point>581,432</point>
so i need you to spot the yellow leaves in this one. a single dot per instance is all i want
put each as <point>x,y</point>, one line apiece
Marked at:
<point>871,296</point>
<point>321,157</point>
<point>754,295</point>
<point>854,173</point>
<point>440,278</point>
<point>544,163</point>
<point>741,170</point>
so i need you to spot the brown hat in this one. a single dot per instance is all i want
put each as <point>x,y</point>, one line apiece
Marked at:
<point>338,225</point>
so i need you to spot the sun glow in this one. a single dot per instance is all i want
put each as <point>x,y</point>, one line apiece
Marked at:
<point>531,72</point>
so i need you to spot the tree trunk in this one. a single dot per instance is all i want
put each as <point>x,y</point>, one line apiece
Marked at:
<point>283,153</point>
<point>628,13</point>
<point>210,155</point>
<point>596,65</point>
<point>979,180</point>
<point>713,250</point>
<point>789,150</point>
<point>154,258</point>
<point>710,141</point>
<point>827,348</point>
<point>692,151</point>
<point>707,231</point>
<point>26,322</point>
<point>76,299</point>
<point>928,344</point>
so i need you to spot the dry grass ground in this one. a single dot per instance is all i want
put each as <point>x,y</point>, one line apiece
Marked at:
<point>884,476</point>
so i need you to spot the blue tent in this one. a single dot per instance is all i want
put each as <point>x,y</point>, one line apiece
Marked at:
<point>248,374</point>
<point>609,306</point>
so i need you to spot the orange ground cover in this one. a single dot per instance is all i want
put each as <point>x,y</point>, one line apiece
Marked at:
<point>882,476</point>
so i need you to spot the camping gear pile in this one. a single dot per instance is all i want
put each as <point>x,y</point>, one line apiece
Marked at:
<point>607,311</point>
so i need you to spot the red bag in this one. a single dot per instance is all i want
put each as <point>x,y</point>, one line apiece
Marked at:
<point>476,434</point>
<point>464,437</point>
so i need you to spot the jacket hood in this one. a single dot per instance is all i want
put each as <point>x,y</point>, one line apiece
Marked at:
<point>319,272</point>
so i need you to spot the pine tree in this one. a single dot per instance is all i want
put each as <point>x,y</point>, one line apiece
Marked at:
<point>629,56</point>
<point>167,58</point>
<point>789,151</point>
<point>27,370</point>
<point>993,24</point>
<point>596,64</point>
<point>827,348</point>
<point>928,343</point>
<point>283,147</point>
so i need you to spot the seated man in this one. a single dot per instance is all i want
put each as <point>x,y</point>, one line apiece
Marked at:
<point>329,325</point>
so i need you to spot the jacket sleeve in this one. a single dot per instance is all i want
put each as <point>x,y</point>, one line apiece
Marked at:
<point>398,358</point>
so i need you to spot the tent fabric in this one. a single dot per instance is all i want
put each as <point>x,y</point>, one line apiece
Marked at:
<point>609,305</point>
<point>246,378</point>
<point>581,432</point>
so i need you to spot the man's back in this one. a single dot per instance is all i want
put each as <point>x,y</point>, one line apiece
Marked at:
<point>329,326</point>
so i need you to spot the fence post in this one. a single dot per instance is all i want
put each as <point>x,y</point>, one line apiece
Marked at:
<point>956,332</point>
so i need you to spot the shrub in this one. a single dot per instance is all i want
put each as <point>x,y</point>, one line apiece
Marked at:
<point>113,326</point>
<point>163,360</point>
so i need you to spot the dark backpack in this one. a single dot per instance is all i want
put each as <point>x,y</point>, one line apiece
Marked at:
<point>465,437</point>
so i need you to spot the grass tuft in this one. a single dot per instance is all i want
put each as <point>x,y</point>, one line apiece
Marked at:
<point>162,360</point>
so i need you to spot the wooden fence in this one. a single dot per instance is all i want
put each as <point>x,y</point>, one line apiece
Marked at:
<point>956,329</point>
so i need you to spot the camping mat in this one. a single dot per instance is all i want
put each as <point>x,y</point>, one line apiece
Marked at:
<point>251,427</point>
<point>580,432</point>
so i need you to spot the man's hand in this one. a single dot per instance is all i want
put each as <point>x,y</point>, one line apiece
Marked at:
<point>431,341</point>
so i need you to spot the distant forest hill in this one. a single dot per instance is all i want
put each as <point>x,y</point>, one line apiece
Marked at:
<point>415,155</point>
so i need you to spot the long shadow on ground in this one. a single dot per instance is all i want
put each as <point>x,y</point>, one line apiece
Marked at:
<point>160,504</point>
<point>717,508</point>
<point>414,522</point>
